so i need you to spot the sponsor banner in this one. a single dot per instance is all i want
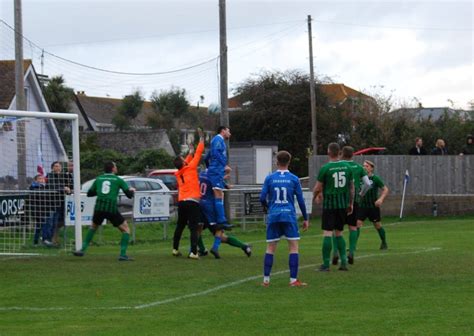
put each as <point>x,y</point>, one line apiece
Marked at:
<point>12,207</point>
<point>308,201</point>
<point>87,210</point>
<point>252,203</point>
<point>151,207</point>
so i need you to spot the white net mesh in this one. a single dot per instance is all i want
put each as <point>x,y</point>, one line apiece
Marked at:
<point>35,175</point>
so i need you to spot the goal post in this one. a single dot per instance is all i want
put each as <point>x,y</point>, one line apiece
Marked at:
<point>76,182</point>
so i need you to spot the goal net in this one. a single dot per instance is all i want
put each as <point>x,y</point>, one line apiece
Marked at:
<point>39,166</point>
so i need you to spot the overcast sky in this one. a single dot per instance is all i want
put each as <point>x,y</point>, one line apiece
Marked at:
<point>410,49</point>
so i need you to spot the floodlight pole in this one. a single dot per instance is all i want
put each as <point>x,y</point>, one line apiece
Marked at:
<point>223,64</point>
<point>314,142</point>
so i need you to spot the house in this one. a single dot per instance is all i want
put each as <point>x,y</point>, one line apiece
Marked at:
<point>41,136</point>
<point>96,115</point>
<point>339,95</point>
<point>432,113</point>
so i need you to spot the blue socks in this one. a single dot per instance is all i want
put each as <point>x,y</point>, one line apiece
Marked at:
<point>220,211</point>
<point>267,264</point>
<point>217,243</point>
<point>293,263</point>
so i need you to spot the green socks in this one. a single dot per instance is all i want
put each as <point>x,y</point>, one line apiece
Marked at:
<point>201,246</point>
<point>353,235</point>
<point>232,241</point>
<point>335,251</point>
<point>341,245</point>
<point>124,243</point>
<point>358,232</point>
<point>327,245</point>
<point>89,236</point>
<point>381,232</point>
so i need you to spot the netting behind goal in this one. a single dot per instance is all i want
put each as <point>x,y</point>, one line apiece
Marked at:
<point>38,169</point>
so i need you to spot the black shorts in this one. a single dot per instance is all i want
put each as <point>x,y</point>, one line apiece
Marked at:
<point>333,219</point>
<point>115,218</point>
<point>351,219</point>
<point>373,214</point>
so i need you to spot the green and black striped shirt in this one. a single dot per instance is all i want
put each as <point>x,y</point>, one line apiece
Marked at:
<point>368,201</point>
<point>107,187</point>
<point>336,177</point>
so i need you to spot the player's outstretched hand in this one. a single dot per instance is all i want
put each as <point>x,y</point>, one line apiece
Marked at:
<point>378,203</point>
<point>305,225</point>
<point>319,198</point>
<point>200,133</point>
<point>132,189</point>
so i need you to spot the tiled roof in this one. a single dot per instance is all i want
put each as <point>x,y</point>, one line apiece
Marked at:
<point>104,109</point>
<point>336,93</point>
<point>7,82</point>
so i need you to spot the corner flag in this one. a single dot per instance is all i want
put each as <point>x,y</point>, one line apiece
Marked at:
<point>39,167</point>
<point>405,182</point>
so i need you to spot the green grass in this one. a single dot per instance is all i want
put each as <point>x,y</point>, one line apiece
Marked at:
<point>423,285</point>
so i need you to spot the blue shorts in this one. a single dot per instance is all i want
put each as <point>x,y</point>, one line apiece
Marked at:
<point>216,180</point>
<point>276,230</point>
<point>207,209</point>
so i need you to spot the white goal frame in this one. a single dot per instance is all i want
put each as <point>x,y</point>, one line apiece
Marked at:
<point>74,118</point>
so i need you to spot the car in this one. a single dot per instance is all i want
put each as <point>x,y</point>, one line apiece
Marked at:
<point>371,151</point>
<point>167,176</point>
<point>125,204</point>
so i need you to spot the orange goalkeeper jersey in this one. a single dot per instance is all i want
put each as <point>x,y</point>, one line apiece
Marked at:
<point>188,179</point>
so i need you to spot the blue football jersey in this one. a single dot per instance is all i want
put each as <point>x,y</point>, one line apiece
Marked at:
<point>207,194</point>
<point>278,195</point>
<point>217,156</point>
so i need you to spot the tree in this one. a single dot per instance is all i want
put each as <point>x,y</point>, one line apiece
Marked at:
<point>277,107</point>
<point>128,110</point>
<point>171,102</point>
<point>58,95</point>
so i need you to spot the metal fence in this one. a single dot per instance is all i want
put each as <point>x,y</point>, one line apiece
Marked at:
<point>429,175</point>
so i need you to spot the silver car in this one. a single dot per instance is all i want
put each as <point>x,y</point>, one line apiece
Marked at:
<point>125,204</point>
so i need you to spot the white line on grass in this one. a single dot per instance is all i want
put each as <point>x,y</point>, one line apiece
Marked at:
<point>201,293</point>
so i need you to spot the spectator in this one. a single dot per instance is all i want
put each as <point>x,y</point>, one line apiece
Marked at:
<point>418,149</point>
<point>440,148</point>
<point>40,210</point>
<point>468,149</point>
<point>58,182</point>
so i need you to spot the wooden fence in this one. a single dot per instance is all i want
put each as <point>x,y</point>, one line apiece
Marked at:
<point>429,175</point>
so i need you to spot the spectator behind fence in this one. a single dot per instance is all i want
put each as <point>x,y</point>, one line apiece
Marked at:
<point>58,182</point>
<point>40,210</point>
<point>468,149</point>
<point>418,149</point>
<point>440,148</point>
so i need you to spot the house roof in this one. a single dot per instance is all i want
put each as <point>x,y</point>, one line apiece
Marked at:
<point>104,109</point>
<point>338,93</point>
<point>7,84</point>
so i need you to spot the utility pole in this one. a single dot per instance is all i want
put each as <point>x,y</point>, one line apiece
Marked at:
<point>314,142</point>
<point>20,98</point>
<point>223,64</point>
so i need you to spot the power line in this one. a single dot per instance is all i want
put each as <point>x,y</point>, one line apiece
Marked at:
<point>112,71</point>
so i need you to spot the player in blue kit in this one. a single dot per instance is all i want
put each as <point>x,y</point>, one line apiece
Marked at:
<point>278,197</point>
<point>210,219</point>
<point>217,158</point>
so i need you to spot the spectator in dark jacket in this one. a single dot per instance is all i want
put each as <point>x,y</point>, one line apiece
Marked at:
<point>59,182</point>
<point>468,149</point>
<point>418,149</point>
<point>440,148</point>
<point>40,210</point>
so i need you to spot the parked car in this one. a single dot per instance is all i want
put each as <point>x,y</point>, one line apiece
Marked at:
<point>125,204</point>
<point>167,176</point>
<point>371,151</point>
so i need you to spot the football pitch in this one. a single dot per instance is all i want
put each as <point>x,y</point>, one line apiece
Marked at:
<point>422,285</point>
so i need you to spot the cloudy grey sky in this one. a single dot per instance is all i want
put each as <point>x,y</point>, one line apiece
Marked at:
<point>410,49</point>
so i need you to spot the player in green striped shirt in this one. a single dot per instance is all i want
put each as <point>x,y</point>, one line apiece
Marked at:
<point>335,189</point>
<point>106,187</point>
<point>370,204</point>
<point>361,185</point>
